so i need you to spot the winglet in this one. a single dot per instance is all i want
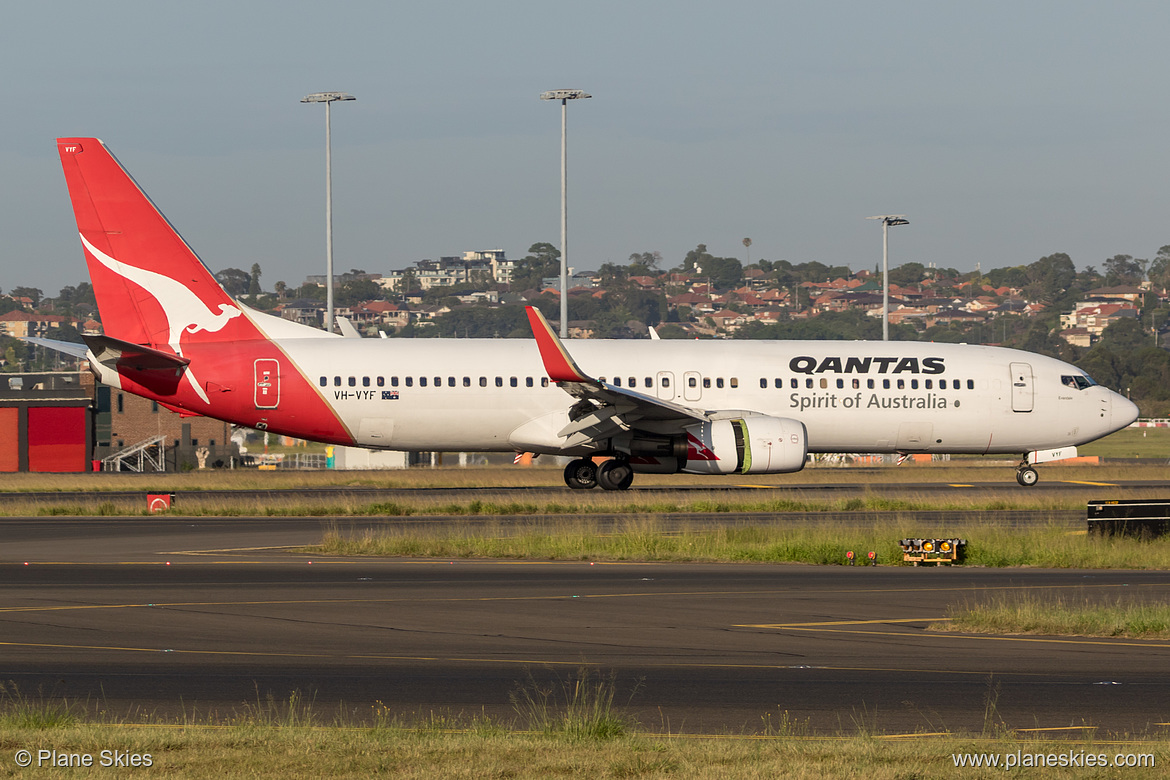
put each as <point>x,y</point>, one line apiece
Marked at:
<point>558,364</point>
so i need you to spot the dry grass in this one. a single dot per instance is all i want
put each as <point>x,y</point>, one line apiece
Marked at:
<point>1061,615</point>
<point>646,539</point>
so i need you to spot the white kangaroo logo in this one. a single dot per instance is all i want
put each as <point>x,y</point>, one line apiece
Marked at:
<point>182,308</point>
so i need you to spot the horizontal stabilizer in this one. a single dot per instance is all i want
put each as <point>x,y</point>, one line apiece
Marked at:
<point>64,347</point>
<point>111,351</point>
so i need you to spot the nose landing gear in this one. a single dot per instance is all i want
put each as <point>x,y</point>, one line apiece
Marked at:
<point>1026,475</point>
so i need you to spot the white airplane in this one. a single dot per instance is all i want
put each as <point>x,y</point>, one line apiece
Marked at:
<point>172,334</point>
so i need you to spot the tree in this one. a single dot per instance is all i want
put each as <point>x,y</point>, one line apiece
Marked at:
<point>1159,270</point>
<point>723,271</point>
<point>234,281</point>
<point>254,282</point>
<point>1050,277</point>
<point>645,264</point>
<point>1124,270</point>
<point>908,274</point>
<point>280,288</point>
<point>542,261</point>
<point>32,293</point>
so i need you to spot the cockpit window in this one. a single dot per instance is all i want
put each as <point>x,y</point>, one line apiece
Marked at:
<point>1077,381</point>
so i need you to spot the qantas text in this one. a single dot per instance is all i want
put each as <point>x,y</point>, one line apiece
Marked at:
<point>875,365</point>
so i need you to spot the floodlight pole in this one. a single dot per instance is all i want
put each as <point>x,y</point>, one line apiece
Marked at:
<point>887,221</point>
<point>327,98</point>
<point>564,95</point>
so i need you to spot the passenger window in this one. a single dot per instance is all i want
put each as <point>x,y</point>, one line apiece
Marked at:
<point>901,384</point>
<point>324,382</point>
<point>381,381</point>
<point>856,383</point>
<point>869,384</point>
<point>913,384</point>
<point>666,381</point>
<point>483,381</point>
<point>779,383</point>
<point>633,382</point>
<point>840,384</point>
<point>617,381</point>
<point>528,381</point>
<point>719,382</point>
<point>970,384</point>
<point>422,381</point>
<point>735,381</point>
<point>808,382</point>
<point>824,383</point>
<point>499,381</point>
<point>885,384</point>
<point>467,381</point>
<point>544,381</point>
<point>394,381</point>
<point>513,382</point>
<point>794,383</point>
<point>929,384</point>
<point>337,381</point>
<point>438,381</point>
<point>409,381</point>
<point>365,381</point>
<point>353,381</point>
<point>692,382</point>
<point>649,382</point>
<point>707,382</point>
<point>450,381</point>
<point>763,383</point>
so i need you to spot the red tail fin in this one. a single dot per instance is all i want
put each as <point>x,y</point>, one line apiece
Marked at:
<point>151,288</point>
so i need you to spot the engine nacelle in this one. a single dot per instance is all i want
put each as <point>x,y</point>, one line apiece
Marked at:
<point>752,444</point>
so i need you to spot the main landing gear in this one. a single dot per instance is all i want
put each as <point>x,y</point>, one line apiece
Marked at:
<point>1026,475</point>
<point>613,474</point>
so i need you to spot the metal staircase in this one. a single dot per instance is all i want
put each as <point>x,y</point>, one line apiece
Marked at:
<point>146,455</point>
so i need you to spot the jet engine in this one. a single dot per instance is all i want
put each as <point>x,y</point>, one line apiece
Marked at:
<point>752,444</point>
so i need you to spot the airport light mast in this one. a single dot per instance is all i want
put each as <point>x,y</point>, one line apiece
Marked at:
<point>888,221</point>
<point>564,95</point>
<point>327,98</point>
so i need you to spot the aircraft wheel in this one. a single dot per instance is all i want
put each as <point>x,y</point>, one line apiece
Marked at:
<point>615,475</point>
<point>1027,476</point>
<point>581,474</point>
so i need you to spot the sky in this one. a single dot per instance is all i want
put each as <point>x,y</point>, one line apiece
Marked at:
<point>1006,131</point>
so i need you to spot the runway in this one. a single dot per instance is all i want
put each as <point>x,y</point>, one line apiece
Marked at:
<point>1050,482</point>
<point>152,615</point>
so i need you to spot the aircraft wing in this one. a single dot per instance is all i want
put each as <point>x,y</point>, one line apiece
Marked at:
<point>602,409</point>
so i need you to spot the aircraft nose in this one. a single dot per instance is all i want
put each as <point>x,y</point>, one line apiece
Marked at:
<point>1124,411</point>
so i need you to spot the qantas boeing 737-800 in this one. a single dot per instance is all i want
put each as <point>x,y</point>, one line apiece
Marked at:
<point>172,334</point>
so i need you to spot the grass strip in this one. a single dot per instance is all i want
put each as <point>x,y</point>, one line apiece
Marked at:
<point>1060,615</point>
<point>645,539</point>
<point>570,730</point>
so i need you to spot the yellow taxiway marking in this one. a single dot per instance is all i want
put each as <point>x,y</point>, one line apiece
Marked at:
<point>960,486</point>
<point>1082,482</point>
<point>1058,728</point>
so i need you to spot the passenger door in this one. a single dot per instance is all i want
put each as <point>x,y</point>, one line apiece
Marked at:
<point>1021,387</point>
